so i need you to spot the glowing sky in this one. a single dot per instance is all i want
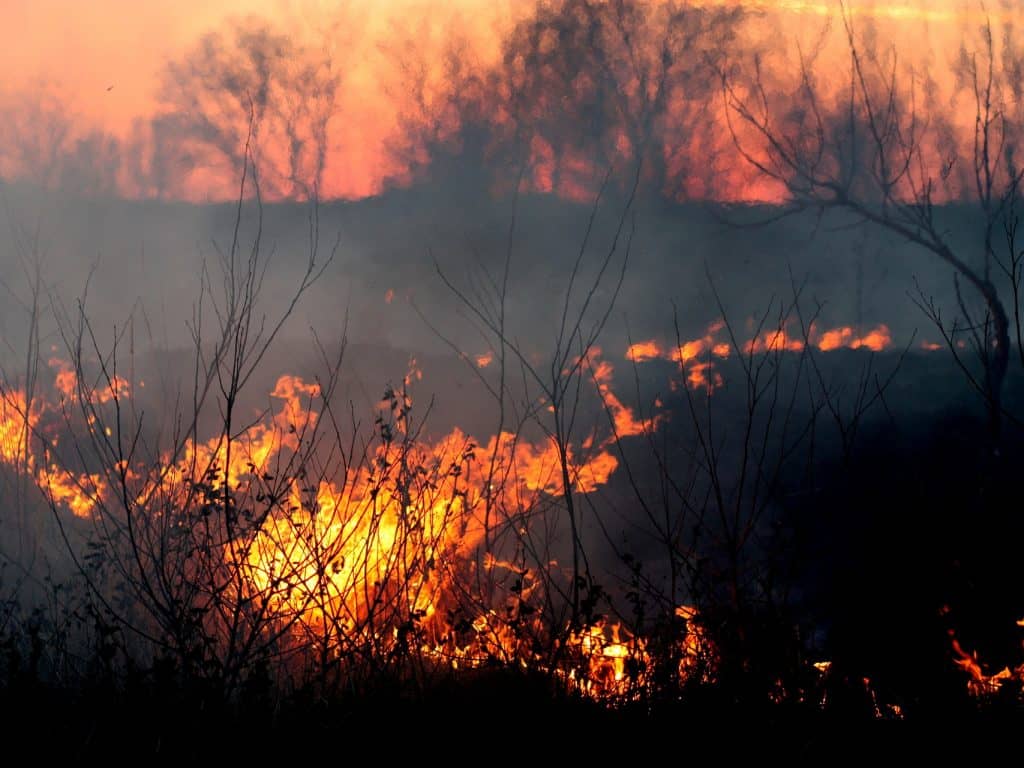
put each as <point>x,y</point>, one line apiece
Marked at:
<point>88,46</point>
<point>105,57</point>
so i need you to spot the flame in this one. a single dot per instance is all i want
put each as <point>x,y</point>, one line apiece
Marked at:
<point>618,663</point>
<point>323,555</point>
<point>484,359</point>
<point>615,661</point>
<point>773,341</point>
<point>66,383</point>
<point>876,339</point>
<point>16,423</point>
<point>980,683</point>
<point>404,532</point>
<point>626,424</point>
<point>692,356</point>
<point>696,357</point>
<point>643,351</point>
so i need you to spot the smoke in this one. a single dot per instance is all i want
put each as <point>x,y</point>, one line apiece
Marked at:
<point>440,138</point>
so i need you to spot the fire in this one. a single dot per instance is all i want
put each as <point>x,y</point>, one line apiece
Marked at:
<point>626,424</point>
<point>326,554</point>
<point>773,341</point>
<point>643,351</point>
<point>618,663</point>
<point>696,357</point>
<point>19,424</point>
<point>693,356</point>
<point>67,384</point>
<point>16,423</point>
<point>876,340</point>
<point>615,662</point>
<point>980,683</point>
<point>338,557</point>
<point>532,464</point>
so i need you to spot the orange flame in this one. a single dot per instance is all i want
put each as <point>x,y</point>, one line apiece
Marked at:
<point>695,357</point>
<point>643,351</point>
<point>401,528</point>
<point>980,684</point>
<point>773,341</point>
<point>329,549</point>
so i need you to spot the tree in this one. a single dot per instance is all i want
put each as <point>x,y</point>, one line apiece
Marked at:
<point>591,84</point>
<point>580,86</point>
<point>286,89</point>
<point>36,132</point>
<point>874,152</point>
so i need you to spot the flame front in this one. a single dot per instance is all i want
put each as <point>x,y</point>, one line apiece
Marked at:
<point>697,357</point>
<point>378,554</point>
<point>388,552</point>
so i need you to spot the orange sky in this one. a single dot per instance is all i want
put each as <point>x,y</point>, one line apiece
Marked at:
<point>88,46</point>
<point>84,48</point>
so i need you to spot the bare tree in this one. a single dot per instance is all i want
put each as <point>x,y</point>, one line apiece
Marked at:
<point>557,387</point>
<point>875,153</point>
<point>286,89</point>
<point>588,85</point>
<point>36,133</point>
<point>166,507</point>
<point>580,86</point>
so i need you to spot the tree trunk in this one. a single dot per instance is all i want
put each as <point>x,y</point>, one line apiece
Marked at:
<point>997,360</point>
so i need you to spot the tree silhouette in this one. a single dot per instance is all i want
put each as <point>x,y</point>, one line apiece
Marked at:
<point>875,153</point>
<point>580,86</point>
<point>254,76</point>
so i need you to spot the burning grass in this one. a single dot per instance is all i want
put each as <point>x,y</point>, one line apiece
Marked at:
<point>622,548</point>
<point>281,536</point>
<point>337,555</point>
